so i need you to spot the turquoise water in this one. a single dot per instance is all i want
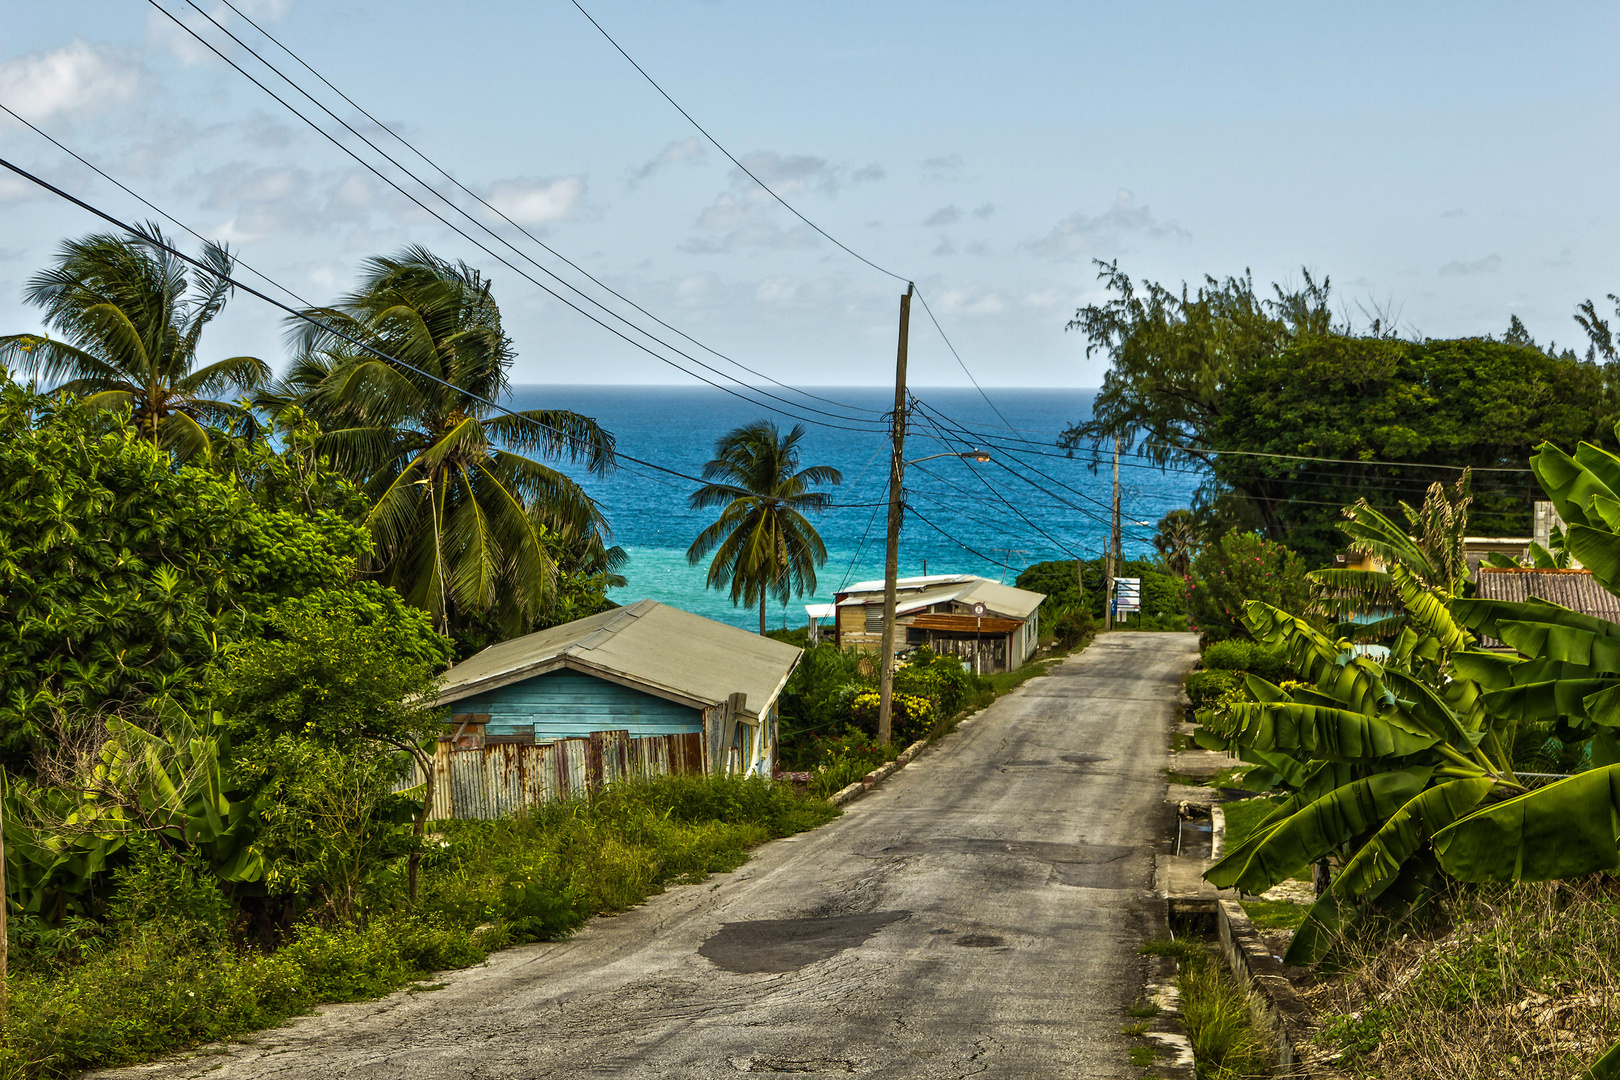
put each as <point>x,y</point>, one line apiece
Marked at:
<point>676,427</point>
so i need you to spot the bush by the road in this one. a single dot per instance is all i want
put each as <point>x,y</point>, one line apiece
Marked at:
<point>89,995</point>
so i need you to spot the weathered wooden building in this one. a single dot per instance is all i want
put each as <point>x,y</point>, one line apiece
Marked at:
<point>645,670</point>
<point>993,627</point>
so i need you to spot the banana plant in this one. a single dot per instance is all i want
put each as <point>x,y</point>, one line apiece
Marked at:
<point>1394,752</point>
<point>1373,605</point>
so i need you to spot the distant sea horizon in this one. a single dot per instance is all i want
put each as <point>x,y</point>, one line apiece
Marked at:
<point>957,524</point>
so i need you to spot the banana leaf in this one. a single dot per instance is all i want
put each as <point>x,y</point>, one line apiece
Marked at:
<point>1570,485</point>
<point>1567,644</point>
<point>1321,732</point>
<point>1428,608</point>
<point>1606,1067</point>
<point>1483,616</point>
<point>1324,926</point>
<point>1405,833</point>
<point>1599,551</point>
<point>1492,671</point>
<point>1321,827</point>
<point>1321,781</point>
<point>1602,464</point>
<point>1430,712</point>
<point>1544,700</point>
<point>1333,917</point>
<point>1563,830</point>
<point>1288,770</point>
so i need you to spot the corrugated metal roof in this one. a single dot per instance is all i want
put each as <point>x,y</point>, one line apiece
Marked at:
<point>963,588</point>
<point>1574,589</point>
<point>648,645</point>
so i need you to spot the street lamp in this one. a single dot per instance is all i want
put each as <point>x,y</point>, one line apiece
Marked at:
<point>891,567</point>
<point>980,456</point>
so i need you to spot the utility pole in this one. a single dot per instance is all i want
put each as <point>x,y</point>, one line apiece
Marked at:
<point>891,561</point>
<point>1113,545</point>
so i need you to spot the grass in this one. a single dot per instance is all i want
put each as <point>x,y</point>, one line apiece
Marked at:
<point>1275,914</point>
<point>1217,1010</point>
<point>90,995</point>
<point>1519,981</point>
<point>1142,1056</point>
<point>1132,1031</point>
<point>1183,779</point>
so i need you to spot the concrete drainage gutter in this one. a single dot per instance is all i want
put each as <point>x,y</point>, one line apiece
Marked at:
<point>878,775</point>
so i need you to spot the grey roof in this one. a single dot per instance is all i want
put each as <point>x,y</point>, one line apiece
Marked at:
<point>650,646</point>
<point>1574,589</point>
<point>913,593</point>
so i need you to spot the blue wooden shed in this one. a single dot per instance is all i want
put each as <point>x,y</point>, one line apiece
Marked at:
<point>649,669</point>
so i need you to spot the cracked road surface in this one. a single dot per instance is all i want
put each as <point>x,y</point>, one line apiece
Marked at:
<point>977,915</point>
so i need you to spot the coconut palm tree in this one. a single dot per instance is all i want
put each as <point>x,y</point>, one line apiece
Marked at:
<point>462,510</point>
<point>1177,541</point>
<point>763,545</point>
<point>131,316</point>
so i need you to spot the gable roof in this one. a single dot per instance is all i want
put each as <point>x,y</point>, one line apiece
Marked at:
<point>921,592</point>
<point>650,646</point>
<point>1574,589</point>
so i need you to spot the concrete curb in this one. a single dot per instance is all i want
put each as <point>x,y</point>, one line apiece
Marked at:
<point>878,775</point>
<point>1280,1008</point>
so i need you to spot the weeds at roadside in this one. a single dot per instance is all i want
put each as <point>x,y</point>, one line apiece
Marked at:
<point>1142,1056</point>
<point>1217,1011</point>
<point>1133,1030</point>
<point>1525,984</point>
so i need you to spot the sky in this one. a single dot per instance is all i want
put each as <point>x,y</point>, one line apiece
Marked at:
<point>1449,164</point>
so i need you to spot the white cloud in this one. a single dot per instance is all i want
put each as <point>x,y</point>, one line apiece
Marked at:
<point>163,33</point>
<point>793,292</point>
<point>944,247</point>
<point>867,173</point>
<point>261,201</point>
<point>945,163</point>
<point>748,221</point>
<point>77,78</point>
<point>972,300</point>
<point>977,247</point>
<point>1490,264</point>
<point>793,173</point>
<point>686,152</point>
<point>945,215</point>
<point>530,201</point>
<point>1079,235</point>
<point>984,210</point>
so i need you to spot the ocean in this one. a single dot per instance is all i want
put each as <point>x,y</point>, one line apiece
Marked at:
<point>957,524</point>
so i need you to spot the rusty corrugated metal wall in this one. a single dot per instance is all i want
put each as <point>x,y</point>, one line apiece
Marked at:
<point>496,780</point>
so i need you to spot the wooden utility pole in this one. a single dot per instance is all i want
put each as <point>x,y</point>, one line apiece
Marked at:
<point>891,561</point>
<point>1113,546</point>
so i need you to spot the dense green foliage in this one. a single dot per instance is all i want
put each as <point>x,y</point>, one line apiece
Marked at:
<point>1470,403</point>
<point>1238,568</point>
<point>1219,376</point>
<point>1162,594</point>
<point>763,545</point>
<point>122,577</point>
<point>163,975</point>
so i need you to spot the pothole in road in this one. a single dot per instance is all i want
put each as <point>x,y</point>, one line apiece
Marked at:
<point>980,941</point>
<point>779,945</point>
<point>786,1065</point>
<point>1082,759</point>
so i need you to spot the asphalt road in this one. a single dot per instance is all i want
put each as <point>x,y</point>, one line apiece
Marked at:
<point>977,915</point>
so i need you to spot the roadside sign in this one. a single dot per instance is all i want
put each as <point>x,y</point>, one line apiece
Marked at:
<point>1127,594</point>
<point>979,610</point>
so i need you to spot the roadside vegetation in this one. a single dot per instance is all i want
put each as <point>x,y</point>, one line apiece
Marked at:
<point>1218,1011</point>
<point>172,957</point>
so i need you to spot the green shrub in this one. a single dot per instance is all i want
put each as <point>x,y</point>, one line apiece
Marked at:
<point>1238,654</point>
<point>1072,626</point>
<point>1235,569</point>
<point>1205,688</point>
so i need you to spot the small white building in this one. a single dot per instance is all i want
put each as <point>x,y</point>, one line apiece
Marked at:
<point>991,626</point>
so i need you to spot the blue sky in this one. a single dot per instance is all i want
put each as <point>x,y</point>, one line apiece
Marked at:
<point>1454,163</point>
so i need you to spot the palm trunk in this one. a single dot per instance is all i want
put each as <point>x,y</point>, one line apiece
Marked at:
<point>762,596</point>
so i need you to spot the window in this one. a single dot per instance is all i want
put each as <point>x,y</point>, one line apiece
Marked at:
<point>874,618</point>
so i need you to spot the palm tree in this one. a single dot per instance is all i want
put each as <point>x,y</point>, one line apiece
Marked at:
<point>462,511</point>
<point>131,315</point>
<point>762,544</point>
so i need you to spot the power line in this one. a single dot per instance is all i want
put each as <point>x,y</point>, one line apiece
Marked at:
<point>971,550</point>
<point>504,262</point>
<point>495,210</point>
<point>251,291</point>
<point>789,206</point>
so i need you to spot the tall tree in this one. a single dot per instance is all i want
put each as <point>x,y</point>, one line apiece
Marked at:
<point>463,511</point>
<point>131,316</point>
<point>763,545</point>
